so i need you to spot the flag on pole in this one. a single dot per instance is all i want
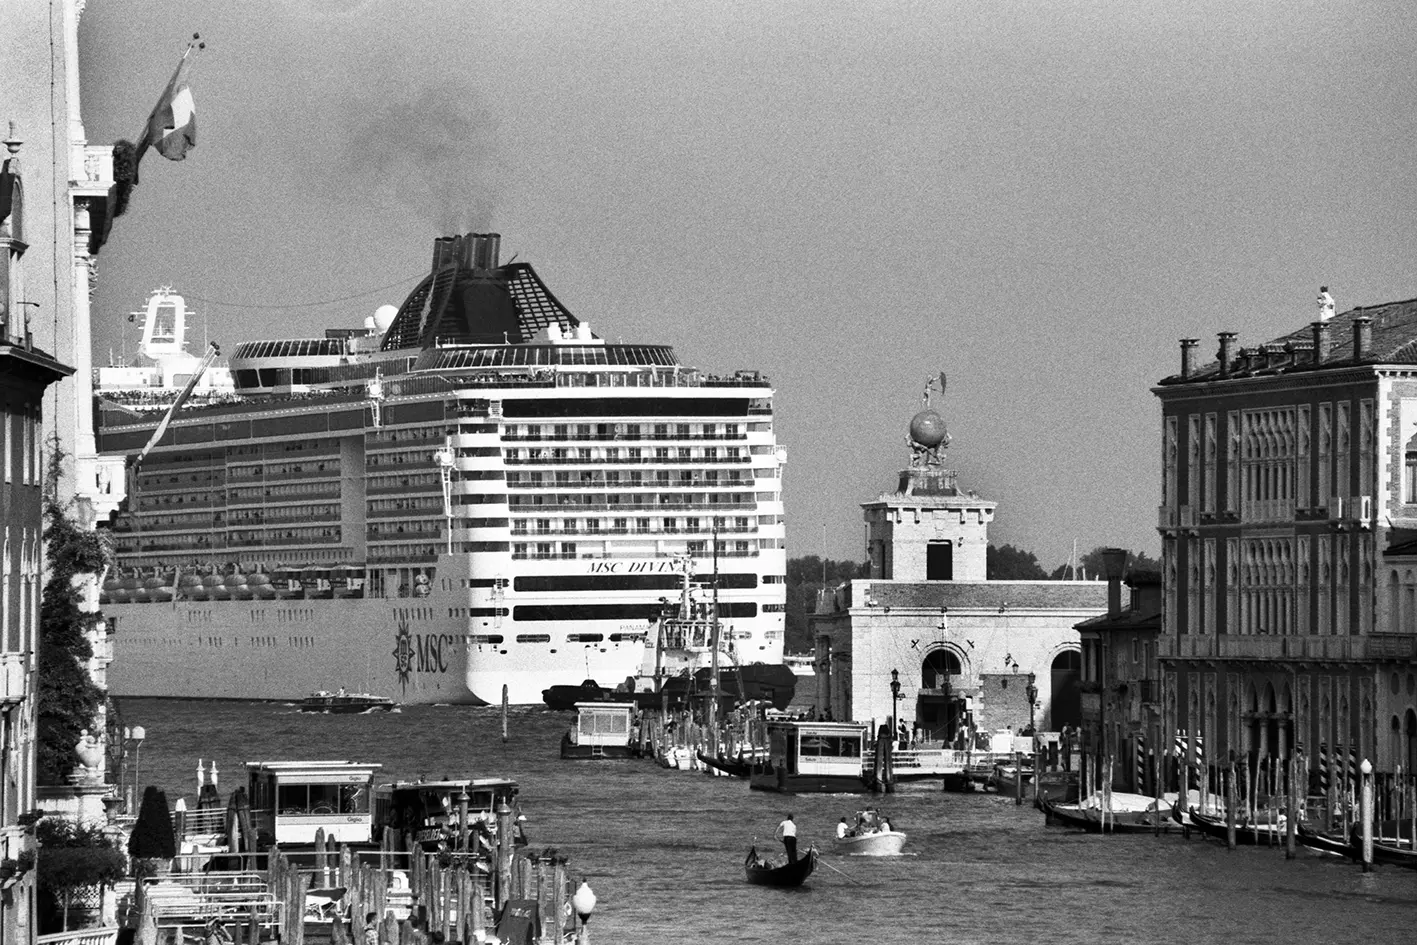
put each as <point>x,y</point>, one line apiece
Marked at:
<point>172,125</point>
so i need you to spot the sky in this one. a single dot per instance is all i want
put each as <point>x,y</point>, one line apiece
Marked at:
<point>1037,199</point>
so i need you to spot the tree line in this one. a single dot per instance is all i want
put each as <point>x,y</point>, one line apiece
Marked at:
<point>809,575</point>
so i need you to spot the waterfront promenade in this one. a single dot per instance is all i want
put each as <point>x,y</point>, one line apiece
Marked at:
<point>663,849</point>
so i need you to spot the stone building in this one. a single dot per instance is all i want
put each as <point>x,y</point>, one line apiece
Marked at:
<point>1289,519</point>
<point>964,651</point>
<point>1121,682</point>
<point>26,373</point>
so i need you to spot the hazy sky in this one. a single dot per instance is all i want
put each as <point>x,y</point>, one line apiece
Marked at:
<point>1037,198</point>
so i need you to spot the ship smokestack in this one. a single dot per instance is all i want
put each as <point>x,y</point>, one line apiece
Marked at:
<point>480,250</point>
<point>445,248</point>
<point>487,249</point>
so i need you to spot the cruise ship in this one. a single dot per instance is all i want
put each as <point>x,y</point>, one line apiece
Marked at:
<point>469,498</point>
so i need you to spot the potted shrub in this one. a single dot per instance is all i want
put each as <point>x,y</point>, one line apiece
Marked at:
<point>152,844</point>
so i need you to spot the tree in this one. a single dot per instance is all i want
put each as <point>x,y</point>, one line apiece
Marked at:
<point>152,837</point>
<point>1090,565</point>
<point>804,582</point>
<point>68,699</point>
<point>1007,563</point>
<point>72,857</point>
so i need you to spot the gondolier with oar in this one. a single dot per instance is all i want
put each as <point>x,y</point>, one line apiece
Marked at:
<point>787,833</point>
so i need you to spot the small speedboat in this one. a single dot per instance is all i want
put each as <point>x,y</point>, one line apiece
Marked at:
<point>871,836</point>
<point>763,872</point>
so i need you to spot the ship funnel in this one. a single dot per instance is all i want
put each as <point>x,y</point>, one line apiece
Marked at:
<point>445,248</point>
<point>480,250</point>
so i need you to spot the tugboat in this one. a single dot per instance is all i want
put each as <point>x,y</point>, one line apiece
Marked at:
<point>345,703</point>
<point>564,698</point>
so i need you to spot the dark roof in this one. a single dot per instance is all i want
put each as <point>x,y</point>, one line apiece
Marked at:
<point>1033,595</point>
<point>1394,341</point>
<point>1124,620</point>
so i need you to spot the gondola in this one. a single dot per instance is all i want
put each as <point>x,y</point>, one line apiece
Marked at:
<point>1090,819</point>
<point>1252,834</point>
<point>737,767</point>
<point>761,872</point>
<point>1323,842</point>
<point>1386,847</point>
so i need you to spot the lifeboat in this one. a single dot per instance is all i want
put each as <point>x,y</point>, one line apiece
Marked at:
<point>236,586</point>
<point>160,587</point>
<point>114,592</point>
<point>316,582</point>
<point>260,586</point>
<point>189,587</point>
<point>286,583</point>
<point>216,587</point>
<point>347,580</point>
<point>131,588</point>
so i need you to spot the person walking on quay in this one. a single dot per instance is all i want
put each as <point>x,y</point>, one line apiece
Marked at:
<point>787,833</point>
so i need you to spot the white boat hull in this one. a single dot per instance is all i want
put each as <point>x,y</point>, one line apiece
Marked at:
<point>885,843</point>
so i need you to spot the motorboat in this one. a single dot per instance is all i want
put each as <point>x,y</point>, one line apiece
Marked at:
<point>872,835</point>
<point>345,703</point>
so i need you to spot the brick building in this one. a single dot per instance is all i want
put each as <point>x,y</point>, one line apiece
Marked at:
<point>1289,525</point>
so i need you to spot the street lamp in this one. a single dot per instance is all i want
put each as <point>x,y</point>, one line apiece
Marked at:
<point>135,735</point>
<point>1031,691</point>
<point>895,698</point>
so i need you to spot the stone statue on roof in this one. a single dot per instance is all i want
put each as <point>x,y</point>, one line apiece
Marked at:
<point>1325,304</point>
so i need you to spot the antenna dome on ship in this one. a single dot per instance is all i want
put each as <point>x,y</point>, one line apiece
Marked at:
<point>384,317</point>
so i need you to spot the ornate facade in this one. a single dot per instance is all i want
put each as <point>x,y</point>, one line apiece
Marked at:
<point>1289,521</point>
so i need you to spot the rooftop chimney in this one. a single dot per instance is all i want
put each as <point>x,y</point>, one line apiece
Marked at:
<point>1320,341</point>
<point>1227,352</point>
<point>1188,356</point>
<point>1362,337</point>
<point>1114,563</point>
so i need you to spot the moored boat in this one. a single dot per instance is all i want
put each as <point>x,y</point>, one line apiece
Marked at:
<point>812,757</point>
<point>602,730</point>
<point>565,698</point>
<point>1246,833</point>
<point>763,872</point>
<point>1116,812</point>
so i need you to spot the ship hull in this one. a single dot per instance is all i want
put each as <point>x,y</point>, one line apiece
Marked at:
<point>284,650</point>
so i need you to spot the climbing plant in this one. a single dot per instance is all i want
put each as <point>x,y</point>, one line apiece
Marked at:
<point>68,699</point>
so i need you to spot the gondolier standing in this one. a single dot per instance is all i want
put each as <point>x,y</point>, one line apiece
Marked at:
<point>787,833</point>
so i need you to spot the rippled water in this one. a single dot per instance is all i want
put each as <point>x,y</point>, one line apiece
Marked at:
<point>664,849</point>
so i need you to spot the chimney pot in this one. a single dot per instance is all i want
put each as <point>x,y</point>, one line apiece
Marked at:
<point>1227,351</point>
<point>1362,337</point>
<point>1321,342</point>
<point>1188,356</point>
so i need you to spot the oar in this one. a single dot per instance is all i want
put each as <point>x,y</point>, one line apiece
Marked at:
<point>835,870</point>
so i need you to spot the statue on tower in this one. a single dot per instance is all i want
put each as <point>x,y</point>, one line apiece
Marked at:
<point>928,437</point>
<point>1326,305</point>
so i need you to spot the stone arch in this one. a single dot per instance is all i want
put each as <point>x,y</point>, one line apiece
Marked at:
<point>941,659</point>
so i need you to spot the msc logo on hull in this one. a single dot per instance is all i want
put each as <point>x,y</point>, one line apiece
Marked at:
<point>420,653</point>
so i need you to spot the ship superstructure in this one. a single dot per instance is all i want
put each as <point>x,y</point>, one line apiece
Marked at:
<point>472,492</point>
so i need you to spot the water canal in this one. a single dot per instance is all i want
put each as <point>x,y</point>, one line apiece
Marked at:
<point>663,849</point>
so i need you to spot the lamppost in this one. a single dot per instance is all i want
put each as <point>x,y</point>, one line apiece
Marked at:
<point>895,698</point>
<point>1031,691</point>
<point>135,736</point>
